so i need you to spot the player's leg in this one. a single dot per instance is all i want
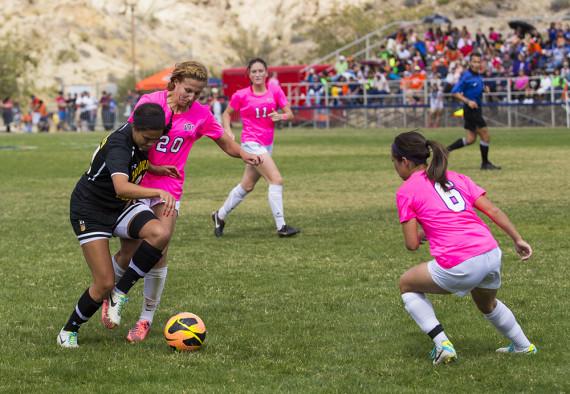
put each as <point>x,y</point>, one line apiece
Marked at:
<point>469,138</point>
<point>98,259</point>
<point>500,316</point>
<point>139,223</point>
<point>236,196</point>
<point>484,143</point>
<point>268,169</point>
<point>414,283</point>
<point>154,282</point>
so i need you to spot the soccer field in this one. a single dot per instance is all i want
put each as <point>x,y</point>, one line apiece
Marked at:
<point>317,313</point>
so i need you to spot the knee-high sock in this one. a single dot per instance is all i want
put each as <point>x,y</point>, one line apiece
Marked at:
<point>460,143</point>
<point>144,259</point>
<point>153,286</point>
<point>421,310</point>
<point>237,194</point>
<point>504,321</point>
<point>484,147</point>
<point>275,197</point>
<point>119,272</point>
<point>85,308</point>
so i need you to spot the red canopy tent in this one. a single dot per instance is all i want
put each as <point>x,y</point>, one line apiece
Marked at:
<point>156,81</point>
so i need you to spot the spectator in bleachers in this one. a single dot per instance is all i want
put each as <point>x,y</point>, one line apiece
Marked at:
<point>314,88</point>
<point>340,67</point>
<point>7,112</point>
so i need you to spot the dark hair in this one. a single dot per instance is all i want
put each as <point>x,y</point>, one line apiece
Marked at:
<point>416,148</point>
<point>149,116</point>
<point>252,62</point>
<point>475,54</point>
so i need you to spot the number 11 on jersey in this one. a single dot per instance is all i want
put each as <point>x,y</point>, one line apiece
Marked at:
<point>263,115</point>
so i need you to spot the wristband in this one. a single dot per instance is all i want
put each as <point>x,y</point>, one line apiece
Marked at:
<point>284,117</point>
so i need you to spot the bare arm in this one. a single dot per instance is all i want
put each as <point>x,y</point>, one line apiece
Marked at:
<point>287,114</point>
<point>167,170</point>
<point>232,148</point>
<point>413,234</point>
<point>465,100</point>
<point>227,122</point>
<point>502,220</point>
<point>128,190</point>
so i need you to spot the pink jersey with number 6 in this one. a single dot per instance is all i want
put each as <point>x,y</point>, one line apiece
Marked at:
<point>174,147</point>
<point>452,227</point>
<point>254,111</point>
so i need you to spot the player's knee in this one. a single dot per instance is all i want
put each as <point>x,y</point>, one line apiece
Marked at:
<point>248,187</point>
<point>486,306</point>
<point>157,235</point>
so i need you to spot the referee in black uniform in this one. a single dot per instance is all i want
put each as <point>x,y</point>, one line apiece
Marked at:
<point>103,204</point>
<point>469,90</point>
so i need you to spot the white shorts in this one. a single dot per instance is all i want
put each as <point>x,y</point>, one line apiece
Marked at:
<point>121,229</point>
<point>483,271</point>
<point>151,202</point>
<point>257,149</point>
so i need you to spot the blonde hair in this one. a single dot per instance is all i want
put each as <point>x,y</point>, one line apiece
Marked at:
<point>190,69</point>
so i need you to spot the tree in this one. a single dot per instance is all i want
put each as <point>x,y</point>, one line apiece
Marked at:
<point>248,44</point>
<point>17,66</point>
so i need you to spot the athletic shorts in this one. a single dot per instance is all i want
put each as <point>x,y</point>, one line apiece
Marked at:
<point>257,149</point>
<point>483,271</point>
<point>90,223</point>
<point>473,119</point>
<point>151,202</point>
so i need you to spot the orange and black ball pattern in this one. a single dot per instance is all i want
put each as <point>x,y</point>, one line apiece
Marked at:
<point>185,331</point>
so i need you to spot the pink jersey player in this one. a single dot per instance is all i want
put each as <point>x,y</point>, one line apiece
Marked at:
<point>187,120</point>
<point>257,105</point>
<point>174,147</point>
<point>438,205</point>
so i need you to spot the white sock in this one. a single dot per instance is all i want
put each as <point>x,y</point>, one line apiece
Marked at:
<point>234,198</point>
<point>119,272</point>
<point>275,197</point>
<point>153,286</point>
<point>504,321</point>
<point>421,310</point>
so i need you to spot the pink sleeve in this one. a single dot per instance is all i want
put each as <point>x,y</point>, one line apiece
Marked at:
<point>405,209</point>
<point>279,96</point>
<point>211,128</point>
<point>474,191</point>
<point>144,99</point>
<point>235,102</point>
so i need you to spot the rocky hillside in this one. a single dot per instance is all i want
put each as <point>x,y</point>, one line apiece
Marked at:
<point>88,41</point>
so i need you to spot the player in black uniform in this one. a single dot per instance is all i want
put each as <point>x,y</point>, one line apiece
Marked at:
<point>102,205</point>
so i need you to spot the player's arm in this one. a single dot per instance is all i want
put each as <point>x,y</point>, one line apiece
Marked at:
<point>502,220</point>
<point>232,148</point>
<point>413,234</point>
<point>287,114</point>
<point>131,191</point>
<point>227,122</point>
<point>167,170</point>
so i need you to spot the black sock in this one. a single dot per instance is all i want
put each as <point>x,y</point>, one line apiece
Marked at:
<point>456,145</point>
<point>144,259</point>
<point>484,152</point>
<point>436,330</point>
<point>85,308</point>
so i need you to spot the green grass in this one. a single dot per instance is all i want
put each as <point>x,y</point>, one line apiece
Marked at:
<point>317,313</point>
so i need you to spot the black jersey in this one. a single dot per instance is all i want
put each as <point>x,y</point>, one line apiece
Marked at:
<point>116,154</point>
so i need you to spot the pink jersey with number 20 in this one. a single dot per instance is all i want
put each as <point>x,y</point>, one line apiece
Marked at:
<point>452,227</point>
<point>174,148</point>
<point>254,111</point>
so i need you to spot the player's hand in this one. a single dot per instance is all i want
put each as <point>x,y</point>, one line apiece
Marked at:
<point>169,203</point>
<point>275,116</point>
<point>167,170</point>
<point>523,249</point>
<point>251,159</point>
<point>472,104</point>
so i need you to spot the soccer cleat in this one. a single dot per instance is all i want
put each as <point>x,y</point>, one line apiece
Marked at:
<point>511,349</point>
<point>288,231</point>
<point>116,303</point>
<point>444,354</point>
<point>139,332</point>
<point>219,225</point>
<point>105,315</point>
<point>489,166</point>
<point>67,339</point>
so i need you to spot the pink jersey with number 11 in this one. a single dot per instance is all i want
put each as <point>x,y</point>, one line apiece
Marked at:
<point>254,111</point>
<point>174,147</point>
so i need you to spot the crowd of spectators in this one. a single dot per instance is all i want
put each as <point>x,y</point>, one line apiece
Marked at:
<point>537,64</point>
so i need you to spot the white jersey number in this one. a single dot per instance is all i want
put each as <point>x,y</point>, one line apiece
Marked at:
<point>161,145</point>
<point>452,198</point>
<point>261,115</point>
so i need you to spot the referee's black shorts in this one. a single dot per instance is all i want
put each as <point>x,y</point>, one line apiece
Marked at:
<point>473,119</point>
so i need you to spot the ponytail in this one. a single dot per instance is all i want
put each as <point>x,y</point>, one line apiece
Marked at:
<point>437,168</point>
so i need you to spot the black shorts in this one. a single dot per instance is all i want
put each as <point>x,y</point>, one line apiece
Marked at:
<point>91,223</point>
<point>473,119</point>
